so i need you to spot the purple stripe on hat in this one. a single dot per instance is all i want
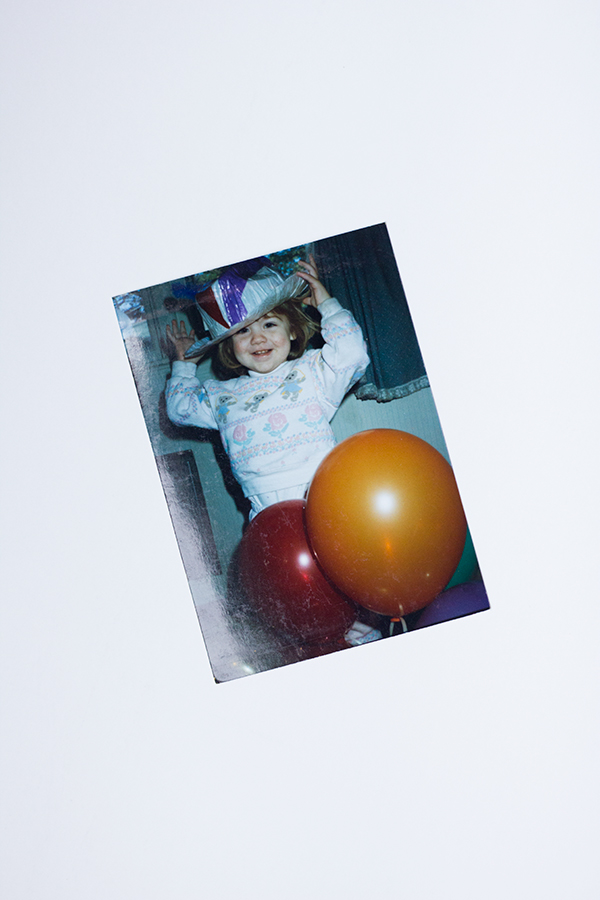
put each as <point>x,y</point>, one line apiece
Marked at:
<point>232,287</point>
<point>232,283</point>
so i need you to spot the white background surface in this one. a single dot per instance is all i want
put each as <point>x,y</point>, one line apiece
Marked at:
<point>146,141</point>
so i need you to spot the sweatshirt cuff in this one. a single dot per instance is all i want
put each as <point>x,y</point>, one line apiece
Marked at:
<point>182,369</point>
<point>329,307</point>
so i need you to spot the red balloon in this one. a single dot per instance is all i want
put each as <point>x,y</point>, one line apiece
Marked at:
<point>385,520</point>
<point>283,580</point>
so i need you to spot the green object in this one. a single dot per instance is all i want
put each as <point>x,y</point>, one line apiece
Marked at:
<point>467,565</point>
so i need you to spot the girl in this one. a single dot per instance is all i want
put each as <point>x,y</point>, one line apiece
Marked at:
<point>273,415</point>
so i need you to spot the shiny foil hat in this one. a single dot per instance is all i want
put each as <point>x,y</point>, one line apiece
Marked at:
<point>239,296</point>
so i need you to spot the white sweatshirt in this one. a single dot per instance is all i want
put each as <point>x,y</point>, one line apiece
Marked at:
<point>275,426</point>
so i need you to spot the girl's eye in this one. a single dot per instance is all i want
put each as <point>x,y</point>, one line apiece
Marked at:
<point>270,324</point>
<point>243,331</point>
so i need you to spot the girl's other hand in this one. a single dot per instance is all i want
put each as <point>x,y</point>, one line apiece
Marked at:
<point>181,340</point>
<point>308,272</point>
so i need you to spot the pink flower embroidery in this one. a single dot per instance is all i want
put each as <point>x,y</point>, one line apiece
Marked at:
<point>313,412</point>
<point>277,421</point>
<point>239,433</point>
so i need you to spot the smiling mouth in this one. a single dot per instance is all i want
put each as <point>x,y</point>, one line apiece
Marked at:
<point>261,352</point>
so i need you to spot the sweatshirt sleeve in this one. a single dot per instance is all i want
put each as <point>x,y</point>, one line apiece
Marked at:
<point>343,359</point>
<point>187,400</point>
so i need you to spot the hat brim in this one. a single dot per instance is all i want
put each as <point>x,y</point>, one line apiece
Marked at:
<point>293,288</point>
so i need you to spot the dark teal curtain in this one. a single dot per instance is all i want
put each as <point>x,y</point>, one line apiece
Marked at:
<point>359,269</point>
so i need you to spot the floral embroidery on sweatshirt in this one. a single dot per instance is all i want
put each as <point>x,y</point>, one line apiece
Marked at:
<point>242,435</point>
<point>313,415</point>
<point>276,424</point>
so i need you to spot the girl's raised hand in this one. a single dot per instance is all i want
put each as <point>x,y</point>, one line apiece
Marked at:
<point>308,272</point>
<point>180,339</point>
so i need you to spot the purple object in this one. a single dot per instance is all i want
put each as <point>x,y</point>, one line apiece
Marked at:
<point>232,287</point>
<point>458,601</point>
<point>232,283</point>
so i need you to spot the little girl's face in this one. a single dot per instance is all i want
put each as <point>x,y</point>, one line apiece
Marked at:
<point>263,345</point>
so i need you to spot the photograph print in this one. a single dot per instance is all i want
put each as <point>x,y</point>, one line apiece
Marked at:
<point>300,452</point>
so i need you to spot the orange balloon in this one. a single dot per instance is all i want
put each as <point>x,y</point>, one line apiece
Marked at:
<point>385,520</point>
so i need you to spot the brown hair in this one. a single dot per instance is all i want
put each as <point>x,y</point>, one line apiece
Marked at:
<point>300,325</point>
